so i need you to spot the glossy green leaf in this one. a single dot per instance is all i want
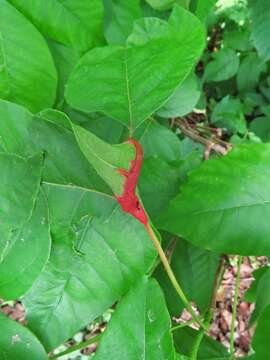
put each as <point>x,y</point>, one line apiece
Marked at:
<point>202,7</point>
<point>229,114</point>
<point>119,18</point>
<point>19,186</point>
<point>251,293</point>
<point>261,127</point>
<point>65,58</point>
<point>152,182</point>
<point>260,341</point>
<point>76,23</point>
<point>249,72</point>
<point>18,343</point>
<point>232,189</point>
<point>129,83</point>
<point>106,158</point>
<point>209,348</point>
<point>224,66</point>
<point>159,141</point>
<point>260,16</point>
<point>167,4</point>
<point>140,327</point>
<point>194,269</point>
<point>27,72</point>
<point>25,252</point>
<point>262,295</point>
<point>48,132</point>
<point>89,231</point>
<point>183,101</point>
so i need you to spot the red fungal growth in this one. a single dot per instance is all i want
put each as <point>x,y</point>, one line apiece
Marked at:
<point>129,200</point>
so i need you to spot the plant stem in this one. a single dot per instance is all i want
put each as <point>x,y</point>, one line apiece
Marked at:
<point>210,311</point>
<point>184,324</point>
<point>234,309</point>
<point>171,275</point>
<point>79,346</point>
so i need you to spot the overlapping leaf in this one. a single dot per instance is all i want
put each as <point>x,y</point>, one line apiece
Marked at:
<point>27,72</point>
<point>140,327</point>
<point>76,23</point>
<point>213,206</point>
<point>18,343</point>
<point>98,253</point>
<point>129,83</point>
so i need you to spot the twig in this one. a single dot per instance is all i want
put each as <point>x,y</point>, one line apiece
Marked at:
<point>208,143</point>
<point>234,308</point>
<point>79,346</point>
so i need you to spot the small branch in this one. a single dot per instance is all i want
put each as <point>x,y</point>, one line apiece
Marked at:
<point>184,324</point>
<point>234,309</point>
<point>77,347</point>
<point>210,144</point>
<point>171,275</point>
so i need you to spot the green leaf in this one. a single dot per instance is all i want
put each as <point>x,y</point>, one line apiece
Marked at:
<point>261,338</point>
<point>48,132</point>
<point>231,190</point>
<point>260,16</point>
<point>159,141</point>
<point>251,293</point>
<point>25,252</point>
<point>262,295</point>
<point>152,182</point>
<point>249,72</point>
<point>19,186</point>
<point>238,39</point>
<point>89,230</point>
<point>18,343</point>
<point>209,349</point>
<point>140,327</point>
<point>74,23</point>
<point>194,269</point>
<point>106,158</point>
<point>27,72</point>
<point>228,114</point>
<point>224,66</point>
<point>119,18</point>
<point>167,4</point>
<point>202,7</point>
<point>183,100</point>
<point>261,127</point>
<point>129,83</point>
<point>65,58</point>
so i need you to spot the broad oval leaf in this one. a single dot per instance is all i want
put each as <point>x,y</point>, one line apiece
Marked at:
<point>18,343</point>
<point>76,23</point>
<point>27,71</point>
<point>26,252</point>
<point>119,16</point>
<point>225,203</point>
<point>261,338</point>
<point>129,83</point>
<point>167,4</point>
<point>140,327</point>
<point>224,66</point>
<point>50,132</point>
<point>88,230</point>
<point>260,16</point>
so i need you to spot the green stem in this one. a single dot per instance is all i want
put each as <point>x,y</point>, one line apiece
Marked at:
<point>184,324</point>
<point>199,337</point>
<point>79,346</point>
<point>171,275</point>
<point>234,309</point>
